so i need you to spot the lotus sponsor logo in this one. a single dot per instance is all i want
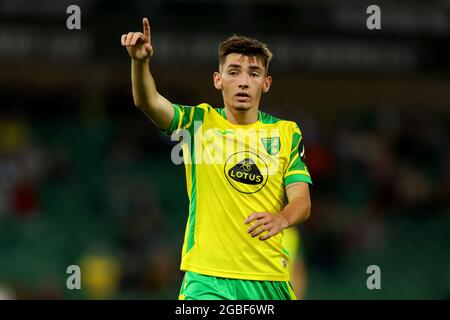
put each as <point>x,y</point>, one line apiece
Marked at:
<point>246,171</point>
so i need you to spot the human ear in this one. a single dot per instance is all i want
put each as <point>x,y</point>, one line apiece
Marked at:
<point>217,80</point>
<point>267,83</point>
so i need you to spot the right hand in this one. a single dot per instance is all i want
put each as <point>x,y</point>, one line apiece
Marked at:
<point>139,44</point>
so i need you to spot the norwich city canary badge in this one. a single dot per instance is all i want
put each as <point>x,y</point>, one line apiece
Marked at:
<point>272,145</point>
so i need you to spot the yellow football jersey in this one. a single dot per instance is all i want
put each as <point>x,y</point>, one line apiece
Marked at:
<point>233,171</point>
<point>291,242</point>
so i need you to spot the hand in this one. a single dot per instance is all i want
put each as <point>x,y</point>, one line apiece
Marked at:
<point>266,221</point>
<point>139,44</point>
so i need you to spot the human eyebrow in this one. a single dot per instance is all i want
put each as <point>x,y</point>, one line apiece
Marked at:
<point>234,66</point>
<point>255,68</point>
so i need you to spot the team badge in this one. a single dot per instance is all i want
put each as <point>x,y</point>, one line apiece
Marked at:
<point>272,145</point>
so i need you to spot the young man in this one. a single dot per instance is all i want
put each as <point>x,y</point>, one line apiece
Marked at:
<point>241,164</point>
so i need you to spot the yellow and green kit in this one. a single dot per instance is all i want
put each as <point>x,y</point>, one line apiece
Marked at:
<point>233,171</point>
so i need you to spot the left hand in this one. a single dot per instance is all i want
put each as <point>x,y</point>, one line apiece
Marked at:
<point>266,221</point>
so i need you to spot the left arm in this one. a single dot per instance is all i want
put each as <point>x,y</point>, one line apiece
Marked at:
<point>297,210</point>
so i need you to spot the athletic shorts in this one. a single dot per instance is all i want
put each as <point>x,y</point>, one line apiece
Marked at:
<point>197,286</point>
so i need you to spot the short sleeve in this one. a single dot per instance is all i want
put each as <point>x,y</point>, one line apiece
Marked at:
<point>296,170</point>
<point>182,117</point>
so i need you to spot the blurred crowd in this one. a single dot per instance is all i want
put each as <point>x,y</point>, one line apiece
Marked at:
<point>372,167</point>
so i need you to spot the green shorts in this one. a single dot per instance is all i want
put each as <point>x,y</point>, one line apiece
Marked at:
<point>197,286</point>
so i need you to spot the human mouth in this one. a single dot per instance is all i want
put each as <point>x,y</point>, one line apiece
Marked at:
<point>242,96</point>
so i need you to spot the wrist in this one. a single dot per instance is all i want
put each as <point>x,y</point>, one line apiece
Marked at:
<point>143,62</point>
<point>284,221</point>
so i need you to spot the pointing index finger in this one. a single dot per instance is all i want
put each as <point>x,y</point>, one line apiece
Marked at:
<point>146,27</point>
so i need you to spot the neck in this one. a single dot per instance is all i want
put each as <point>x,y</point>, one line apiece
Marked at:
<point>242,117</point>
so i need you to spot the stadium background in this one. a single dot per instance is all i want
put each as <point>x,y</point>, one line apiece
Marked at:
<point>86,179</point>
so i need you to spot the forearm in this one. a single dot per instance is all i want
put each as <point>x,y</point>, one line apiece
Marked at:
<point>146,97</point>
<point>296,211</point>
<point>143,84</point>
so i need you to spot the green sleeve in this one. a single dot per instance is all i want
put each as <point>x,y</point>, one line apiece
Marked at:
<point>297,171</point>
<point>182,116</point>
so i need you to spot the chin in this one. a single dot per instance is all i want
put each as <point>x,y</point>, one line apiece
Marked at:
<point>241,107</point>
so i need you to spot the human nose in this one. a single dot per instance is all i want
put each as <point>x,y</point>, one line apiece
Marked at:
<point>243,81</point>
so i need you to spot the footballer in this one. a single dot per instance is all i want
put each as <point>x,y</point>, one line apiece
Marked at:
<point>257,185</point>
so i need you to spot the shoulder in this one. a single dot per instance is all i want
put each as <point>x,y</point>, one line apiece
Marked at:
<point>205,107</point>
<point>196,113</point>
<point>201,107</point>
<point>202,110</point>
<point>288,125</point>
<point>269,119</point>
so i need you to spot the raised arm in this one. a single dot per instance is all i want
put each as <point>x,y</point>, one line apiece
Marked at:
<point>145,95</point>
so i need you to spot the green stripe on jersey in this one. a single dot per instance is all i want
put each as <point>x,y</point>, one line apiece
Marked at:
<point>297,178</point>
<point>198,116</point>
